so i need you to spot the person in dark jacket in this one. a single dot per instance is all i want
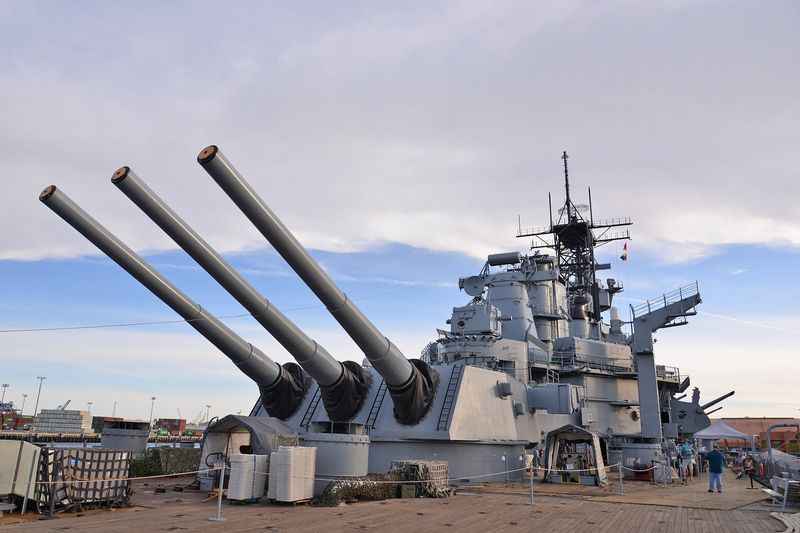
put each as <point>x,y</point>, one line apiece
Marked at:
<point>716,462</point>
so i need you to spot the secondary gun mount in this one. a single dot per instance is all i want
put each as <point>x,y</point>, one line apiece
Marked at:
<point>411,383</point>
<point>282,387</point>
<point>715,401</point>
<point>343,386</point>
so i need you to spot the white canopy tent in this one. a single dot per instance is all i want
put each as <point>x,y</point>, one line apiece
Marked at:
<point>719,430</point>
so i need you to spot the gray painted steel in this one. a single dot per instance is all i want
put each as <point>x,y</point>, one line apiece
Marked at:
<point>659,314</point>
<point>314,358</point>
<point>244,355</point>
<point>648,396</point>
<point>338,456</point>
<point>134,440</point>
<point>382,354</point>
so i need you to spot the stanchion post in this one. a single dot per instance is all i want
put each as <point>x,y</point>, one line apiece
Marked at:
<point>621,488</point>
<point>531,484</point>
<point>219,517</point>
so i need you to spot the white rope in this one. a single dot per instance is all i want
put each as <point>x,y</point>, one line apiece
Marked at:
<point>316,478</point>
<point>635,470</point>
<point>592,469</point>
<point>380,481</point>
<point>459,478</point>
<point>106,480</point>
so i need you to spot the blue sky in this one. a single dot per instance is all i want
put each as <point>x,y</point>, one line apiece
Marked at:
<point>740,340</point>
<point>400,141</point>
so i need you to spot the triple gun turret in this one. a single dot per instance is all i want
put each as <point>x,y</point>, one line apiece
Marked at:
<point>343,385</point>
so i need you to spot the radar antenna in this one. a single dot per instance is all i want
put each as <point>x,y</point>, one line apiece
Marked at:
<point>574,237</point>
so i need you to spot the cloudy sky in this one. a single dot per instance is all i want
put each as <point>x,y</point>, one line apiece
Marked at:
<point>400,142</point>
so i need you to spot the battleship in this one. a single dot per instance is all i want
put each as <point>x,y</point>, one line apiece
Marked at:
<point>539,345</point>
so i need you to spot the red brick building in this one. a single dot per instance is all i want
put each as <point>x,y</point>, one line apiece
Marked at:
<point>175,426</point>
<point>782,438</point>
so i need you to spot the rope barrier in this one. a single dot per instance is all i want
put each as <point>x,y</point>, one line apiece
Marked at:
<point>381,481</point>
<point>325,478</point>
<point>75,481</point>
<point>592,469</point>
<point>635,470</point>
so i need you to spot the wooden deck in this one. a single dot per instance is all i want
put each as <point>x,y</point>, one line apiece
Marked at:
<point>556,509</point>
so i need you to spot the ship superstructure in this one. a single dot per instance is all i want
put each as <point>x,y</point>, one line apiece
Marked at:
<point>539,346</point>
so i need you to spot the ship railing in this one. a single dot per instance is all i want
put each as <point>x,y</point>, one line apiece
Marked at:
<point>533,230</point>
<point>666,299</point>
<point>573,360</point>
<point>608,236</point>
<point>668,373</point>
<point>609,222</point>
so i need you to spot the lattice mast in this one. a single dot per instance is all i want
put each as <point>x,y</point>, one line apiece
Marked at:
<point>574,238</point>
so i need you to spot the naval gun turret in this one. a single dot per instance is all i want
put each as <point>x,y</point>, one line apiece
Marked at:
<point>343,386</point>
<point>282,387</point>
<point>411,383</point>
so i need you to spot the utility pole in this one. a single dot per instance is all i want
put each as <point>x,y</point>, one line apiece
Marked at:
<point>152,404</point>
<point>24,399</point>
<point>114,410</point>
<point>208,413</point>
<point>4,386</point>
<point>38,394</point>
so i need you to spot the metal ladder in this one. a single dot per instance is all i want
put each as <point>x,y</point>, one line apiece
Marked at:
<point>312,407</point>
<point>449,397</point>
<point>375,408</point>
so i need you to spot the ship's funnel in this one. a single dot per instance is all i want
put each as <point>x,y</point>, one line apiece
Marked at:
<point>412,384</point>
<point>282,388</point>
<point>343,386</point>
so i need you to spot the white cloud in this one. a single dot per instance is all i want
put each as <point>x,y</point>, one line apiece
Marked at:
<point>431,125</point>
<point>175,364</point>
<point>751,355</point>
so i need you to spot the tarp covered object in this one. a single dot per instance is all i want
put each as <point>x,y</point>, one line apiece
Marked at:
<point>720,430</point>
<point>262,429</point>
<point>573,433</point>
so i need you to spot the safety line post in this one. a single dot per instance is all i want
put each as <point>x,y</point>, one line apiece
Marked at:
<point>219,517</point>
<point>532,484</point>
<point>621,488</point>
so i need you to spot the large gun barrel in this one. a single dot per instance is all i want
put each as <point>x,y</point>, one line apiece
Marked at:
<point>282,388</point>
<point>412,384</point>
<point>716,400</point>
<point>343,386</point>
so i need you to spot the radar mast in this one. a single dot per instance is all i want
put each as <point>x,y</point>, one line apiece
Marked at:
<point>574,237</point>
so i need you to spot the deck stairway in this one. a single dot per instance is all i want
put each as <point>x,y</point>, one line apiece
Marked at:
<point>449,397</point>
<point>312,407</point>
<point>375,408</point>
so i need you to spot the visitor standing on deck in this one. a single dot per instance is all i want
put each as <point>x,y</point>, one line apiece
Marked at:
<point>686,454</point>
<point>716,462</point>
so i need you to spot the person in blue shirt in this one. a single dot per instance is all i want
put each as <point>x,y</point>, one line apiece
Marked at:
<point>686,455</point>
<point>716,462</point>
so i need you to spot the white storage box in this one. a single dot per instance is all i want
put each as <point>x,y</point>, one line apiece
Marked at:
<point>291,474</point>
<point>19,461</point>
<point>248,476</point>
